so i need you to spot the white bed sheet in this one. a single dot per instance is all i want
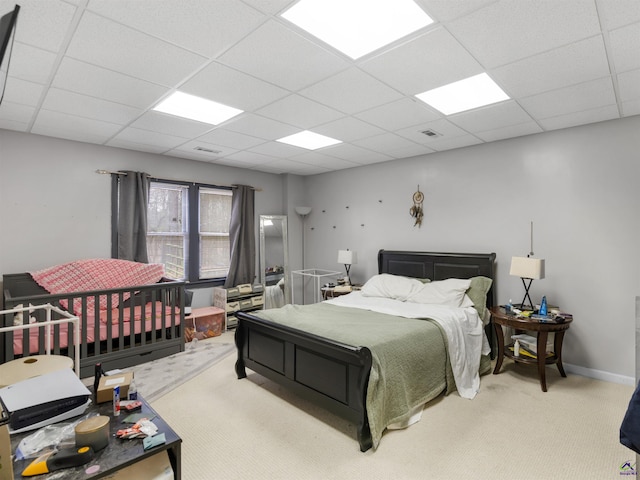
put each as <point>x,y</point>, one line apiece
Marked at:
<point>463,327</point>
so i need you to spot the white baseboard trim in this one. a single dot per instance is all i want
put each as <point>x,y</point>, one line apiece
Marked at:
<point>599,374</point>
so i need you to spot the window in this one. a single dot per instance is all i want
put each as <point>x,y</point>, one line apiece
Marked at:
<point>188,229</point>
<point>214,219</point>
<point>167,227</point>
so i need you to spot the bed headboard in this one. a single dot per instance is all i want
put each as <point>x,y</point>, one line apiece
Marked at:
<point>439,266</point>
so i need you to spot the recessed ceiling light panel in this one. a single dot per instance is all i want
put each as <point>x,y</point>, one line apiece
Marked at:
<point>472,92</point>
<point>196,108</point>
<point>309,140</point>
<point>357,27</point>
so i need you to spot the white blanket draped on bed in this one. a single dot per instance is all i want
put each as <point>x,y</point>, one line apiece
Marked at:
<point>274,295</point>
<point>463,327</point>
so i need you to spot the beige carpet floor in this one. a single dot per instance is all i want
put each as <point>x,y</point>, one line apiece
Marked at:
<point>253,429</point>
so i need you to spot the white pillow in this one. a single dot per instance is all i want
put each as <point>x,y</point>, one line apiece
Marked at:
<point>449,292</point>
<point>391,286</point>
<point>466,302</point>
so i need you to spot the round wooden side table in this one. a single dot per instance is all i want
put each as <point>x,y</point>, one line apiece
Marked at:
<point>520,324</point>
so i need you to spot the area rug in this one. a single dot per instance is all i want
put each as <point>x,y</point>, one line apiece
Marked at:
<point>158,377</point>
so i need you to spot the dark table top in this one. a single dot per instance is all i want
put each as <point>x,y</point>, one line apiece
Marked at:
<point>117,455</point>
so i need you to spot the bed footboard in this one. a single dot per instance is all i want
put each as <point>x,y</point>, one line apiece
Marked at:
<point>325,372</point>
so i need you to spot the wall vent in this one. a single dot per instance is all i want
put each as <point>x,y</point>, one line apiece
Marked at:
<point>207,150</point>
<point>431,133</point>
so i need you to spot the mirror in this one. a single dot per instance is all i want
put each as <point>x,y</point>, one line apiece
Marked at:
<point>274,260</point>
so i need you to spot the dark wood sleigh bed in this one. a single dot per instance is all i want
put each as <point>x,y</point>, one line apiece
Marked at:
<point>335,375</point>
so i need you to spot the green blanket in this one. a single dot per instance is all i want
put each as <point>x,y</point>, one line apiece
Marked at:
<point>410,360</point>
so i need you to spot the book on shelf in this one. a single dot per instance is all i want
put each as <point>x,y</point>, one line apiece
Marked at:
<point>524,352</point>
<point>342,288</point>
<point>542,318</point>
<point>530,343</point>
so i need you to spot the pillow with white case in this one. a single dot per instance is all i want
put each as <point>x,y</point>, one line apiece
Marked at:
<point>391,286</point>
<point>451,292</point>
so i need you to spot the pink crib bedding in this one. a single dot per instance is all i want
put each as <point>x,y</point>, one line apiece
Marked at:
<point>97,274</point>
<point>142,321</point>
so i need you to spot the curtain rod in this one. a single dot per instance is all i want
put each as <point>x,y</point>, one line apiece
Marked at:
<point>109,172</point>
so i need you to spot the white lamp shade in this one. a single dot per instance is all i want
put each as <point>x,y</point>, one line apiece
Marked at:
<point>303,210</point>
<point>347,257</point>
<point>526,267</point>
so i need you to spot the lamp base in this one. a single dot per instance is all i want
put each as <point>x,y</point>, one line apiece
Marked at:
<point>347,267</point>
<point>523,305</point>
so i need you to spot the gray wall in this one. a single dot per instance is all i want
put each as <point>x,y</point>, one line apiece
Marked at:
<point>579,186</point>
<point>55,208</point>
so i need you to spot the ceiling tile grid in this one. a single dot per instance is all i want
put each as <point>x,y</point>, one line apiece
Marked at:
<point>428,61</point>
<point>73,127</point>
<point>188,24</point>
<point>351,91</point>
<point>261,127</point>
<point>80,77</point>
<point>628,85</point>
<point>14,116</point>
<point>510,30</point>
<point>92,71</point>
<point>105,43</point>
<point>80,105</point>
<point>232,87</point>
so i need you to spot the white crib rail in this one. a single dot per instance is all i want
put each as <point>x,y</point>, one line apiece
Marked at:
<point>47,326</point>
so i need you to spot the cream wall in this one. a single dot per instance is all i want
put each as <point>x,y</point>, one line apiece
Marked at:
<point>579,186</point>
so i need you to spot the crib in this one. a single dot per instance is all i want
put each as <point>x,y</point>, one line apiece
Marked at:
<point>138,324</point>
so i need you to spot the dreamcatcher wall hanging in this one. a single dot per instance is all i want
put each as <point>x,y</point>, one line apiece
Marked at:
<point>416,210</point>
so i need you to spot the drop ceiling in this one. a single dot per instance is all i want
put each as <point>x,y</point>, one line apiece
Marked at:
<point>91,71</point>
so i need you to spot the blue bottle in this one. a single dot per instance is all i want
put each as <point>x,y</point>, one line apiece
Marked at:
<point>543,306</point>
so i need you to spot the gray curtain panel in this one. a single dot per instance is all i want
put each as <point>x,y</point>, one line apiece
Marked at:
<point>133,197</point>
<point>242,237</point>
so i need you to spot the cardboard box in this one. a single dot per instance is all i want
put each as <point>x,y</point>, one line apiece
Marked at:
<point>156,467</point>
<point>107,384</point>
<point>6,466</point>
<point>204,323</point>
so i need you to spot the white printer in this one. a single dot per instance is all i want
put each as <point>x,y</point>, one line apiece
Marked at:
<point>45,399</point>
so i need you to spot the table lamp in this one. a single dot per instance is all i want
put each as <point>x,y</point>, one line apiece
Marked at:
<point>347,258</point>
<point>527,268</point>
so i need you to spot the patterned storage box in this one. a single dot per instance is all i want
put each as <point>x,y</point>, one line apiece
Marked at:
<point>204,323</point>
